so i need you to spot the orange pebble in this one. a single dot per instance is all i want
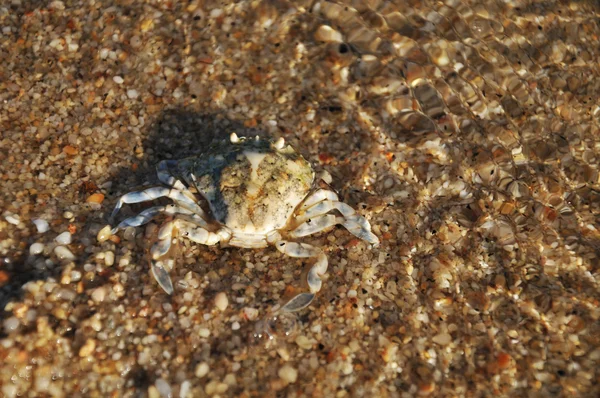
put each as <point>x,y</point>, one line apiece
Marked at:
<point>504,360</point>
<point>95,198</point>
<point>69,150</point>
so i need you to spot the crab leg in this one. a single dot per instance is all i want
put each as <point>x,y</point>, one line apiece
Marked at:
<point>147,215</point>
<point>179,197</point>
<point>315,220</point>
<point>303,250</point>
<point>163,171</point>
<point>188,228</point>
<point>318,196</point>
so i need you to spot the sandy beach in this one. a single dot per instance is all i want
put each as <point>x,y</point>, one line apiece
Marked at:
<point>466,132</point>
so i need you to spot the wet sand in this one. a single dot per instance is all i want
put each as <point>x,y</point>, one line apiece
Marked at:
<point>467,133</point>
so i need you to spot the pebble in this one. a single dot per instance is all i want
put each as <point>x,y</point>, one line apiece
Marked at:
<point>164,389</point>
<point>235,326</point>
<point>132,94</point>
<point>250,313</point>
<point>36,248</point>
<point>185,389</point>
<point>221,301</point>
<point>41,225</point>
<point>63,253</point>
<point>64,238</point>
<point>215,387</point>
<point>288,373</point>
<point>11,324</point>
<point>104,234</point>
<point>109,259</point>
<point>118,79</point>
<point>68,215</point>
<point>12,218</point>
<point>442,339</point>
<point>95,198</point>
<point>201,369</point>
<point>88,348</point>
<point>203,332</point>
<point>99,294</point>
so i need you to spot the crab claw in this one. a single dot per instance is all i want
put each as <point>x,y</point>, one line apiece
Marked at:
<point>162,276</point>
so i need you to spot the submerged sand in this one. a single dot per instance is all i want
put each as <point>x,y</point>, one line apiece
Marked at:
<point>467,132</point>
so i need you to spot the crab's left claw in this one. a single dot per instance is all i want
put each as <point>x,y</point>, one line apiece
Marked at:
<point>162,276</point>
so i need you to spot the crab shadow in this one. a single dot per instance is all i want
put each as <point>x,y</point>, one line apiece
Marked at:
<point>176,134</point>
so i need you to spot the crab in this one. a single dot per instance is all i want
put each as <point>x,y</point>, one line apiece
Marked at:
<point>248,193</point>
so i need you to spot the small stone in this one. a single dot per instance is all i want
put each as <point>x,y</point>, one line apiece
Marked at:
<point>184,389</point>
<point>99,294</point>
<point>95,198</point>
<point>132,94</point>
<point>442,339</point>
<point>70,150</point>
<point>203,332</point>
<point>68,215</point>
<point>109,259</point>
<point>201,370</point>
<point>41,225</point>
<point>164,389</point>
<point>153,392</point>
<point>88,348</point>
<point>36,248</point>
<point>288,373</point>
<point>12,218</point>
<point>304,342</point>
<point>250,313</point>
<point>235,326</point>
<point>104,234</point>
<point>63,253</point>
<point>11,324</point>
<point>64,238</point>
<point>221,301</point>
<point>118,79</point>
<point>327,34</point>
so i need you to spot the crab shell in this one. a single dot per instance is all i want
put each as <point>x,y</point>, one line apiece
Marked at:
<point>252,186</point>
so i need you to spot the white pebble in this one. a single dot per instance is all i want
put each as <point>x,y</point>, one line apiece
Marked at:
<point>9,390</point>
<point>36,248</point>
<point>132,94</point>
<point>235,326</point>
<point>63,253</point>
<point>12,218</point>
<point>184,389</point>
<point>41,225</point>
<point>288,373</point>
<point>68,214</point>
<point>118,79</point>
<point>11,324</point>
<point>163,388</point>
<point>221,301</point>
<point>250,313</point>
<point>99,294</point>
<point>104,234</point>
<point>64,238</point>
<point>203,332</point>
<point>109,259</point>
<point>201,370</point>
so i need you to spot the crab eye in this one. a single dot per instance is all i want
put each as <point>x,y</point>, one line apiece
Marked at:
<point>186,233</point>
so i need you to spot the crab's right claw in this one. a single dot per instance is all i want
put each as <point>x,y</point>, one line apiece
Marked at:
<point>162,276</point>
